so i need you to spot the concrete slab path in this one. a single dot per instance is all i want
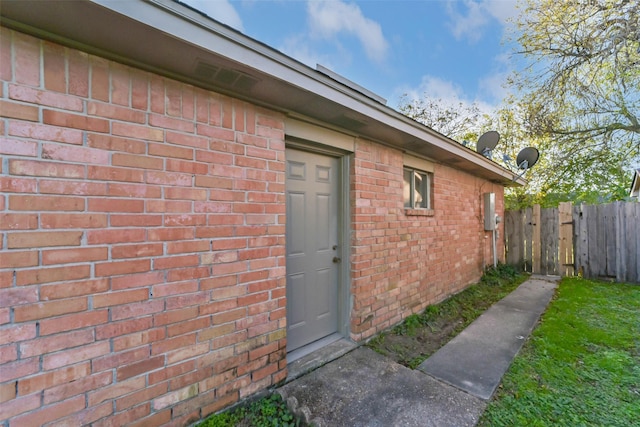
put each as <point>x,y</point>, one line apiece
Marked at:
<point>476,359</point>
<point>363,388</point>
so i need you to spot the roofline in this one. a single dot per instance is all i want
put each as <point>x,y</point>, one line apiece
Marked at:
<point>326,80</point>
<point>190,28</point>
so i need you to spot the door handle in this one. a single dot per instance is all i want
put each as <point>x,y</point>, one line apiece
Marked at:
<point>337,260</point>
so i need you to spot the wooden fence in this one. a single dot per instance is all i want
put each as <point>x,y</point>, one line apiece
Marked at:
<point>595,241</point>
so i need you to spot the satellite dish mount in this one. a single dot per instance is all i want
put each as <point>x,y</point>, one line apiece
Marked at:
<point>527,157</point>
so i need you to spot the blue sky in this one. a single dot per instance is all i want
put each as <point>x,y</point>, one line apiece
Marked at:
<point>451,50</point>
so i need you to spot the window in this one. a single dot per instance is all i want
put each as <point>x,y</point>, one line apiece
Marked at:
<point>417,189</point>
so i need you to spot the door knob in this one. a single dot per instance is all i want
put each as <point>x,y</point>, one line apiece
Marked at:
<point>336,260</point>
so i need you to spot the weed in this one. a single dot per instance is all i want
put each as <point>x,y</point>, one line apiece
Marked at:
<point>409,326</point>
<point>270,411</point>
<point>497,276</point>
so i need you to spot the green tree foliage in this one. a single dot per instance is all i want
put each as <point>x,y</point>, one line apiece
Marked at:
<point>457,121</point>
<point>580,94</point>
<point>577,100</point>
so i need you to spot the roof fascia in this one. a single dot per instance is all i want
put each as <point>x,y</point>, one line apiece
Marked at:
<point>283,67</point>
<point>190,27</point>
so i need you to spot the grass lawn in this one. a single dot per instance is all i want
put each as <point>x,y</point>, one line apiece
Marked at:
<point>581,366</point>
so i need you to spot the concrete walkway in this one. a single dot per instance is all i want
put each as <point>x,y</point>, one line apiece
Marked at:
<point>451,388</point>
<point>476,359</point>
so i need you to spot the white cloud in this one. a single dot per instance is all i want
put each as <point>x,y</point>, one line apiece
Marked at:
<point>220,10</point>
<point>329,18</point>
<point>502,10</point>
<point>436,87</point>
<point>492,86</point>
<point>449,93</point>
<point>469,25</point>
<point>477,15</point>
<point>298,47</point>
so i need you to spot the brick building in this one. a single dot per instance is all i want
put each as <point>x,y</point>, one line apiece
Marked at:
<point>185,210</point>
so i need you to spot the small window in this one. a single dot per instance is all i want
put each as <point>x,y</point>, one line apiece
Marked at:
<point>417,189</point>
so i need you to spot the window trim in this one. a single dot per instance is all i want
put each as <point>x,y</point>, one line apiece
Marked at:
<point>413,209</point>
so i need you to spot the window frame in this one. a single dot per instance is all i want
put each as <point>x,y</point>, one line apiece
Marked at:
<point>425,165</point>
<point>426,187</point>
<point>425,192</point>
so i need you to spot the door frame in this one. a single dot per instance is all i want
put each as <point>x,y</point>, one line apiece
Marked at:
<point>345,300</point>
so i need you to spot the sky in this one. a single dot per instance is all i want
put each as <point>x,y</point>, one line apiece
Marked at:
<point>453,50</point>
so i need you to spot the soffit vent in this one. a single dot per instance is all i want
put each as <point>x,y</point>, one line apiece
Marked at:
<point>224,76</point>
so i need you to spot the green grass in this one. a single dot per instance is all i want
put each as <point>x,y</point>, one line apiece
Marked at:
<point>270,411</point>
<point>581,366</point>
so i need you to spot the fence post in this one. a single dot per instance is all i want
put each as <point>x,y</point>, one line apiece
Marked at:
<point>632,247</point>
<point>566,225</point>
<point>581,240</point>
<point>621,262</point>
<point>535,249</point>
<point>528,235</point>
<point>549,241</point>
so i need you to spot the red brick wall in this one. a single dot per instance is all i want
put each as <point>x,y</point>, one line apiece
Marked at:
<point>142,277</point>
<point>142,243</point>
<point>402,263</point>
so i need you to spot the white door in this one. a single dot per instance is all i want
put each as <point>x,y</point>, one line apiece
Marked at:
<point>312,184</point>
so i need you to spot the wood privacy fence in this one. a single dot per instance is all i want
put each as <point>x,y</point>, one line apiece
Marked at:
<point>595,241</point>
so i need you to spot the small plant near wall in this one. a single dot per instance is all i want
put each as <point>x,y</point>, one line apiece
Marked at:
<point>270,411</point>
<point>500,275</point>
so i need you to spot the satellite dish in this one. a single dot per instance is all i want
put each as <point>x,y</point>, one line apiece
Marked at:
<point>487,142</point>
<point>527,157</point>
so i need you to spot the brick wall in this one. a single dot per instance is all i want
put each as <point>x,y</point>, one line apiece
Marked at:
<point>402,263</point>
<point>142,277</point>
<point>142,246</point>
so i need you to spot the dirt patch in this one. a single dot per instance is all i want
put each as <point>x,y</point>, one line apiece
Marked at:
<point>421,335</point>
<point>410,349</point>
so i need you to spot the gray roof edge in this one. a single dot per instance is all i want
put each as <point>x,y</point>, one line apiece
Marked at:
<point>349,83</point>
<point>189,26</point>
<point>194,16</point>
<point>326,77</point>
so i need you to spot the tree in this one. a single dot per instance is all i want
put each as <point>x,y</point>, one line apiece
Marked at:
<point>577,99</point>
<point>580,92</point>
<point>458,121</point>
<point>606,180</point>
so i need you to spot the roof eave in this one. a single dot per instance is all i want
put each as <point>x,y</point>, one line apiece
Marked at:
<point>184,42</point>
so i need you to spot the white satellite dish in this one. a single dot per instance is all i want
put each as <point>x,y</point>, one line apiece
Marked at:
<point>487,142</point>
